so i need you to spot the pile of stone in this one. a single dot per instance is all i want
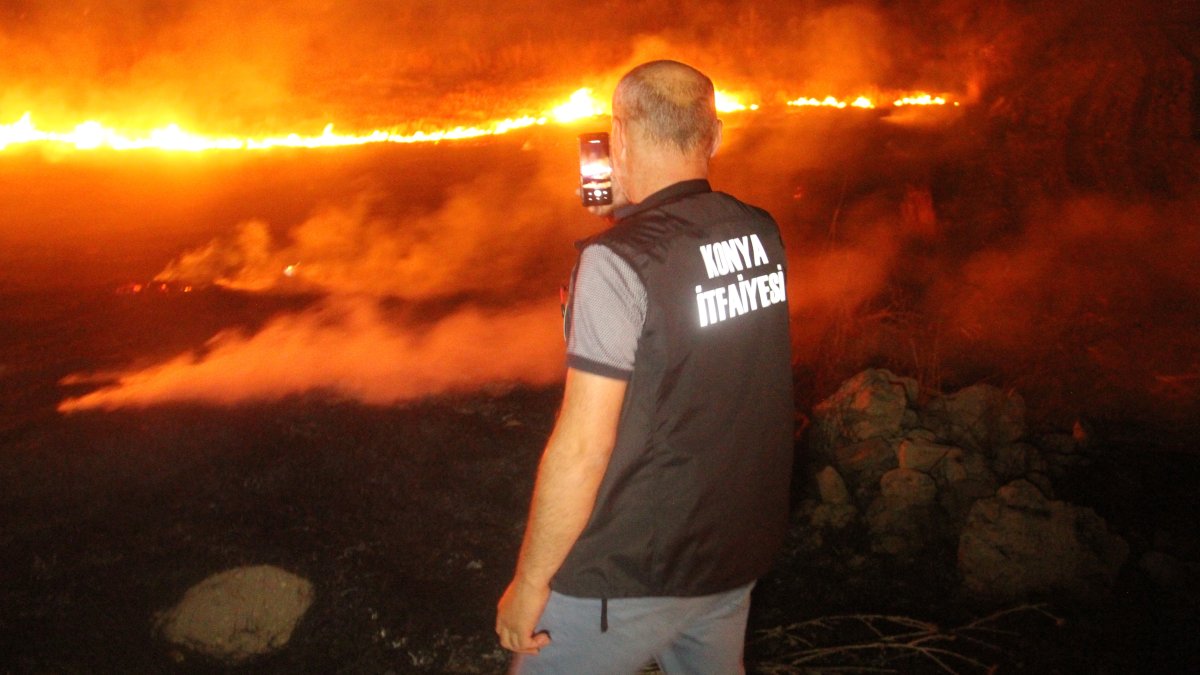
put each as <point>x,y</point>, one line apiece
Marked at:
<point>918,468</point>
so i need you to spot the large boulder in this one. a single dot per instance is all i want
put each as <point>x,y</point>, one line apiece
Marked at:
<point>963,477</point>
<point>903,519</point>
<point>908,486</point>
<point>1015,460</point>
<point>869,405</point>
<point>238,614</point>
<point>1019,543</point>
<point>831,487</point>
<point>901,529</point>
<point>864,463</point>
<point>921,454</point>
<point>980,417</point>
<point>836,510</point>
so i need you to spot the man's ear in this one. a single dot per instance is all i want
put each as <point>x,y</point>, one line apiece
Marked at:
<point>716,141</point>
<point>618,138</point>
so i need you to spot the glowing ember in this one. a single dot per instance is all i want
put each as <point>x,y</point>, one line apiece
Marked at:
<point>920,99</point>
<point>866,103</point>
<point>831,102</point>
<point>162,287</point>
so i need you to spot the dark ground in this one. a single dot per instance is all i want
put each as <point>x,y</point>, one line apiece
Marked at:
<point>407,519</point>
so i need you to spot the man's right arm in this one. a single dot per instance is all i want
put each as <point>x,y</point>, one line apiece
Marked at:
<point>569,475</point>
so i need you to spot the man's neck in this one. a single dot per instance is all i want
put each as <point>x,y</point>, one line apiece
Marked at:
<point>660,172</point>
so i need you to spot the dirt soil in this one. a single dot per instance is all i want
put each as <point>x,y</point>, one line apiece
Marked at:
<point>407,519</point>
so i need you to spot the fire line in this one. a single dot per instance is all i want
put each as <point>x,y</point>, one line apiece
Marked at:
<point>581,105</point>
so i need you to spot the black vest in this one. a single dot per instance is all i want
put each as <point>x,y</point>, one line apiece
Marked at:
<point>695,497</point>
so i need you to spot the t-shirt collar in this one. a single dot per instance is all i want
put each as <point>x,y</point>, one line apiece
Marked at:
<point>670,193</point>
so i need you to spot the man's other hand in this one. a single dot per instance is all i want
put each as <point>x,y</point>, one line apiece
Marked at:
<point>517,615</point>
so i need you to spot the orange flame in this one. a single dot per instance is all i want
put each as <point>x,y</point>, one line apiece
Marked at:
<point>92,135</point>
<point>832,102</point>
<point>920,98</point>
<point>867,103</point>
<point>580,105</point>
<point>730,103</point>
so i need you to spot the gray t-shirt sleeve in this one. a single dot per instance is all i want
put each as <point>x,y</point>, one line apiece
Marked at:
<point>608,308</point>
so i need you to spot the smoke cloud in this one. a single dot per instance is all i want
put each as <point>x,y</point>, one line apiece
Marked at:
<point>283,65</point>
<point>485,255</point>
<point>347,347</point>
<point>488,239</point>
<point>999,241</point>
<point>1096,294</point>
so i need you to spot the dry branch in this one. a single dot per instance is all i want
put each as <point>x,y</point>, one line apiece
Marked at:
<point>875,643</point>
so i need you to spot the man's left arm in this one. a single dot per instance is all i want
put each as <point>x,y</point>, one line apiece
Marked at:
<point>569,475</point>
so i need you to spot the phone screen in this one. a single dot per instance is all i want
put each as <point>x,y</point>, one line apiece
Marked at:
<point>595,169</point>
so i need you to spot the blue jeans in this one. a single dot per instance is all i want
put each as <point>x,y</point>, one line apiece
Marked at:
<point>685,636</point>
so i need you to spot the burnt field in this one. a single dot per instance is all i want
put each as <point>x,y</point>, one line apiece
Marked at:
<point>400,491</point>
<point>406,518</point>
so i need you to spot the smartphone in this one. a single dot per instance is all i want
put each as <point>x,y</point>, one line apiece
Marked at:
<point>595,169</point>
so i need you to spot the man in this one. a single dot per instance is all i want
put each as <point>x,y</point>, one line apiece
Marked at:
<point>662,492</point>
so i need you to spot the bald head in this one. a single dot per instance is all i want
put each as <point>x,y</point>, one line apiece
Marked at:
<point>669,103</point>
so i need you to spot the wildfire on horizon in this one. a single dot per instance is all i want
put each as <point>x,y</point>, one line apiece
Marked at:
<point>581,105</point>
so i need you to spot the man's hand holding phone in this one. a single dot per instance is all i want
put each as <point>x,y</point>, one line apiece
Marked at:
<point>606,210</point>
<point>598,192</point>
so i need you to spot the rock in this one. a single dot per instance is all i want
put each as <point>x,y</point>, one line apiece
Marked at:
<point>1023,495</point>
<point>834,516</point>
<point>908,487</point>
<point>899,527</point>
<point>921,455</point>
<point>813,520</point>
<point>1020,543</point>
<point>957,498</point>
<point>868,405</point>
<point>962,476</point>
<point>980,417</point>
<point>1042,481</point>
<point>864,463</point>
<point>1014,460</point>
<point>920,434</point>
<point>831,487</point>
<point>960,465</point>
<point>238,614</point>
